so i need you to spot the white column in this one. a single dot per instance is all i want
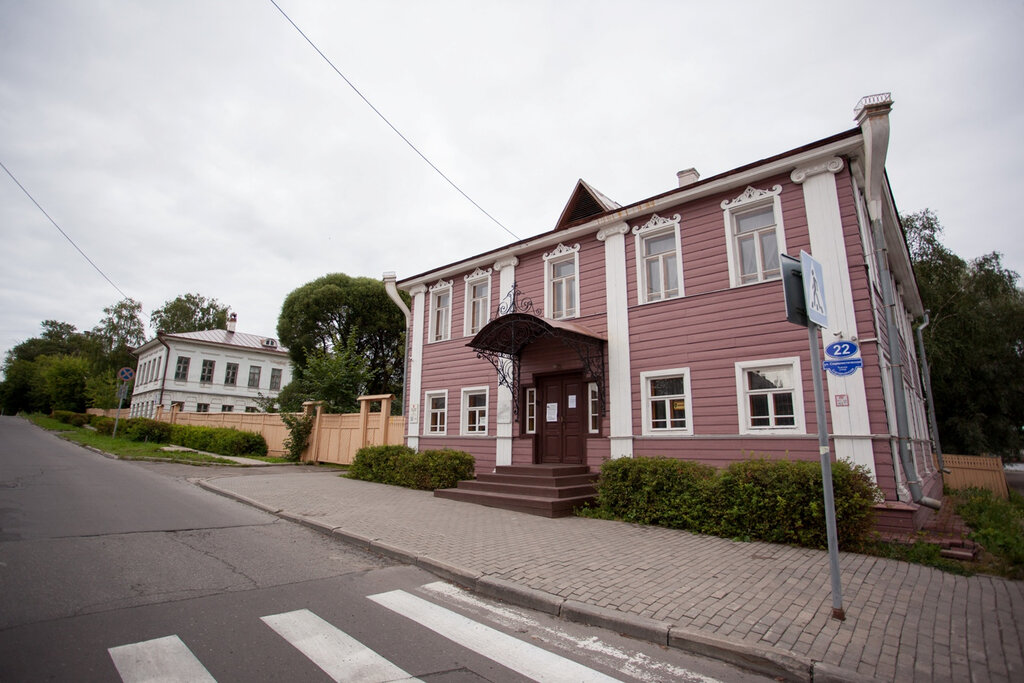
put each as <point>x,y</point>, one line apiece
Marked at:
<point>503,448</point>
<point>415,366</point>
<point>620,395</point>
<point>850,426</point>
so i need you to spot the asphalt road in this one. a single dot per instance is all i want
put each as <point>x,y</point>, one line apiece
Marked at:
<point>110,568</point>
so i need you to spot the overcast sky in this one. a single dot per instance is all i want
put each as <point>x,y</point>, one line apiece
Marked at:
<point>204,146</point>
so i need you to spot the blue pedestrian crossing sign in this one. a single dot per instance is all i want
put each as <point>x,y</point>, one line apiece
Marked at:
<point>814,290</point>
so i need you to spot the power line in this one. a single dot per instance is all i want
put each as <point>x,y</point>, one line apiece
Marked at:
<point>29,195</point>
<point>390,125</point>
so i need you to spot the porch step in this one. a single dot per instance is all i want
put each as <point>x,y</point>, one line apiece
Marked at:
<point>544,490</point>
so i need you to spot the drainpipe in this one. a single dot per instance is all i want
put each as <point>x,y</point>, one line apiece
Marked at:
<point>391,288</point>
<point>872,114</point>
<point>929,398</point>
<point>167,359</point>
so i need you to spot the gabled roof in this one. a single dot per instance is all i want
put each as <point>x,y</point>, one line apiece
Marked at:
<point>585,202</point>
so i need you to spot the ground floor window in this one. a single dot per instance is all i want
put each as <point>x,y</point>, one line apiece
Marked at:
<point>666,405</point>
<point>437,412</point>
<point>474,411</point>
<point>769,396</point>
<point>530,410</point>
<point>594,408</point>
<point>202,407</point>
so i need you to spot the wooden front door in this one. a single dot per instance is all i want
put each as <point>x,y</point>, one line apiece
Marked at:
<point>561,420</point>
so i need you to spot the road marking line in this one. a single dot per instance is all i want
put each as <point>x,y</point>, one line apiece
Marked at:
<point>162,659</point>
<point>341,656</point>
<point>529,660</point>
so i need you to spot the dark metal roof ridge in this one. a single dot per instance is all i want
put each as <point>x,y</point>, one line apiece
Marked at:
<point>851,133</point>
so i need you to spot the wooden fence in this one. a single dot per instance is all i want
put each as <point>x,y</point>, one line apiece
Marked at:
<point>335,438</point>
<point>975,471</point>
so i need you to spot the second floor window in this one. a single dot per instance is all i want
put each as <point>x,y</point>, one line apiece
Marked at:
<point>181,368</point>
<point>440,311</point>
<point>254,376</point>
<point>231,374</point>
<point>275,379</point>
<point>206,375</point>
<point>477,305</point>
<point>563,289</point>
<point>757,245</point>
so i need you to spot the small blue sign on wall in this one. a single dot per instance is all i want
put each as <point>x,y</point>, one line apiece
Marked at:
<point>843,367</point>
<point>842,349</point>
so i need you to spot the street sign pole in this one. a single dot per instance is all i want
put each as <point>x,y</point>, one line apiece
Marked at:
<point>803,288</point>
<point>826,476</point>
<point>125,375</point>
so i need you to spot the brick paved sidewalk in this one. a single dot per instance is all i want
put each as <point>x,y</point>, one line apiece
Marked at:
<point>762,605</point>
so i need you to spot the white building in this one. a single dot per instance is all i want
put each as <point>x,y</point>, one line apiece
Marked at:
<point>208,371</point>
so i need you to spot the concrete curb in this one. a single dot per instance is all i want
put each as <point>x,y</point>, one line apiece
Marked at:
<point>209,486</point>
<point>775,663</point>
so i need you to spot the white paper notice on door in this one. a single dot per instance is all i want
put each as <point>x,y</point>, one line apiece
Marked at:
<point>552,412</point>
<point>572,400</point>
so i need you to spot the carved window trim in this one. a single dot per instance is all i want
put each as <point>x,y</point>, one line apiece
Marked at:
<point>561,254</point>
<point>657,227</point>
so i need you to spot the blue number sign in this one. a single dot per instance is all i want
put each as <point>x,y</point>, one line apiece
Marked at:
<point>841,349</point>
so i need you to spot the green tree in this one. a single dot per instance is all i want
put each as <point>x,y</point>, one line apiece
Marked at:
<point>189,313</point>
<point>337,378</point>
<point>974,342</point>
<point>23,388</point>
<point>101,390</point>
<point>325,314</point>
<point>64,378</point>
<point>121,326</point>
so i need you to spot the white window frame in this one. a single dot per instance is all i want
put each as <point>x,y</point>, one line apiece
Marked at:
<point>593,409</point>
<point>743,402</point>
<point>475,278</point>
<point>657,227</point>
<point>439,289</point>
<point>646,414</point>
<point>530,410</point>
<point>561,254</point>
<point>752,199</point>
<point>464,410</point>
<point>428,428</point>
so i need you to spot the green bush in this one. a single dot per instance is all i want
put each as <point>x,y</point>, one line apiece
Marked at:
<point>378,463</point>
<point>70,417</point>
<point>660,491</point>
<point>402,466</point>
<point>777,501</point>
<point>221,440</point>
<point>102,425</point>
<point>998,525</point>
<point>145,429</point>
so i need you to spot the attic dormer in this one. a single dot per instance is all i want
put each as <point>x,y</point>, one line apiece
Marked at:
<point>585,202</point>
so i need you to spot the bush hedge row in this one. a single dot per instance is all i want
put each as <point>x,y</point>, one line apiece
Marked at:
<point>778,501</point>
<point>221,440</point>
<point>403,466</point>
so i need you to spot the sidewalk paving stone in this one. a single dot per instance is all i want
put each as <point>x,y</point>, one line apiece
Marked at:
<point>767,606</point>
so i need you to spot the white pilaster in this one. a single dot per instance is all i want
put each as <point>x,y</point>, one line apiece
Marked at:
<point>503,446</point>
<point>850,426</point>
<point>620,395</point>
<point>415,366</point>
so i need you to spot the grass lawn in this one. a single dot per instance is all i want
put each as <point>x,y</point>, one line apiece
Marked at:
<point>122,448</point>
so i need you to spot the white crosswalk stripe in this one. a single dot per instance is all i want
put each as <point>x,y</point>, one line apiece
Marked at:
<point>162,659</point>
<point>529,660</point>
<point>341,656</point>
<point>344,658</point>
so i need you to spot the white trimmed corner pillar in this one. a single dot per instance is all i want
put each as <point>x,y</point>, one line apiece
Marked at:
<point>847,396</point>
<point>620,397</point>
<point>503,447</point>
<point>414,367</point>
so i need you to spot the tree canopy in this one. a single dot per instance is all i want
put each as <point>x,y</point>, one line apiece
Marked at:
<point>189,313</point>
<point>330,313</point>
<point>974,342</point>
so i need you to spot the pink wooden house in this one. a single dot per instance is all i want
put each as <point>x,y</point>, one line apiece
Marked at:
<point>658,329</point>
